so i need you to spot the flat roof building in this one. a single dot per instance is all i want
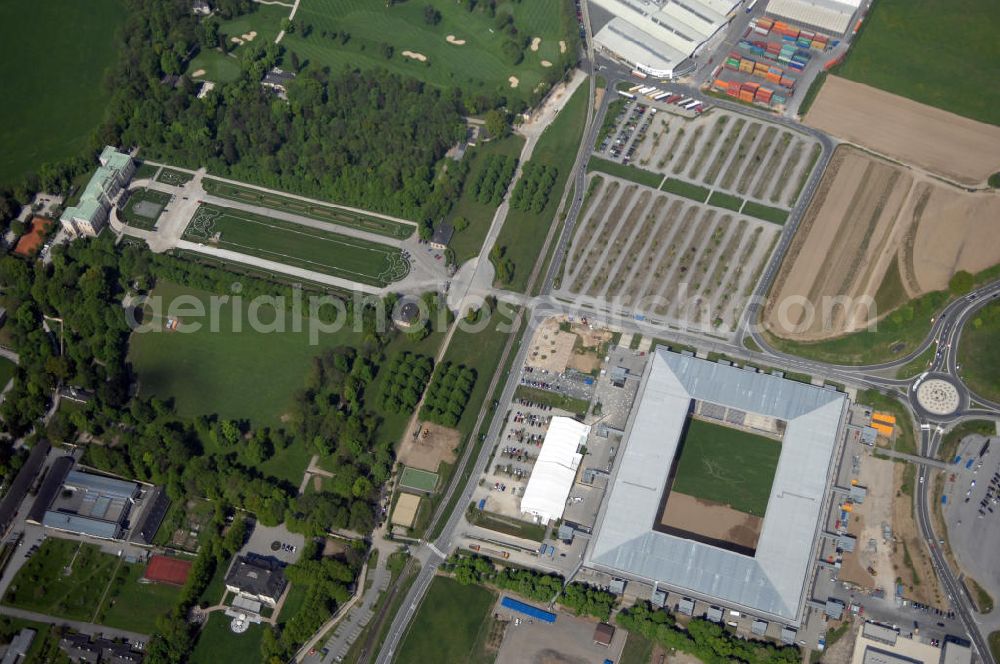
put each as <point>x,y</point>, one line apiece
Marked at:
<point>659,37</point>
<point>833,16</point>
<point>17,649</point>
<point>555,469</point>
<point>768,582</point>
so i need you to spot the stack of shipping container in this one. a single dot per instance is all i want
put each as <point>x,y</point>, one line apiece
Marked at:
<point>758,68</point>
<point>790,33</point>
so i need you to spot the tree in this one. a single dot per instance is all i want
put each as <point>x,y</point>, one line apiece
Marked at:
<point>431,15</point>
<point>496,123</point>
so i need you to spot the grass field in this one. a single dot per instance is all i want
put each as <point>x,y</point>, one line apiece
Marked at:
<point>506,525</point>
<point>765,212</point>
<point>724,200</point>
<point>450,625</point>
<point>7,369</point>
<point>638,649</point>
<point>139,218</point>
<point>219,67</point>
<point>478,66</point>
<point>938,53</point>
<point>633,173</point>
<point>55,55</point>
<point>217,643</point>
<point>727,466</point>
<point>297,245</point>
<point>422,480</point>
<point>318,211</point>
<point>523,233</point>
<point>42,584</point>
<point>686,189</point>
<point>979,352</point>
<point>569,404</point>
<point>467,243</point>
<point>136,606</point>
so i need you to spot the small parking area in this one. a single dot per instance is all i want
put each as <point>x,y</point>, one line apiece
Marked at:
<point>569,640</point>
<point>274,541</point>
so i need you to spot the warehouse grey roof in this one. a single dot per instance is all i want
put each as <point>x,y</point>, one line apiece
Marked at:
<point>771,582</point>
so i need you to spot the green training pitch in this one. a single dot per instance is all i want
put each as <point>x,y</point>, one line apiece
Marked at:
<point>421,480</point>
<point>943,54</point>
<point>55,55</point>
<point>478,66</point>
<point>727,466</point>
<point>312,209</point>
<point>450,626</point>
<point>297,245</point>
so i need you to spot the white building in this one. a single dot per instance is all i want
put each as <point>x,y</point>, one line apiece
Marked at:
<point>555,469</point>
<point>90,214</point>
<point>659,37</point>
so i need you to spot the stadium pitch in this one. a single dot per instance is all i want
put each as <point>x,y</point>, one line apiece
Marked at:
<point>297,245</point>
<point>727,466</point>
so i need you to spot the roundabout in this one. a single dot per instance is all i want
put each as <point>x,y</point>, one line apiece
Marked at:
<point>937,395</point>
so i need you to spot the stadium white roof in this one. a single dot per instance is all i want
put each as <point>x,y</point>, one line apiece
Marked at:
<point>833,16</point>
<point>772,582</point>
<point>657,35</point>
<point>555,469</point>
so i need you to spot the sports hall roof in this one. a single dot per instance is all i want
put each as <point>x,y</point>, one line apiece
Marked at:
<point>772,582</point>
<point>834,16</point>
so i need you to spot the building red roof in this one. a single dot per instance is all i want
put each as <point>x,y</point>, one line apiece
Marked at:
<point>164,569</point>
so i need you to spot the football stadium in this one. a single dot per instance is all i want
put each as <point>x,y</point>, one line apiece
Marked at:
<point>720,486</point>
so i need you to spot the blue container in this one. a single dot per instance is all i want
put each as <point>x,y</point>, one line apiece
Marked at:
<point>527,609</point>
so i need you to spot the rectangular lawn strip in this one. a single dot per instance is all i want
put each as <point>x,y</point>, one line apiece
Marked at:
<point>136,606</point>
<point>959,50</point>
<point>686,189</point>
<point>342,33</point>
<point>43,584</point>
<point>217,643</point>
<point>312,210</point>
<point>468,242</point>
<point>633,173</point>
<point>523,233</point>
<point>150,197</point>
<point>544,397</point>
<point>724,200</point>
<point>173,177</point>
<point>448,625</point>
<point>297,245</point>
<point>53,87</point>
<point>727,466</point>
<point>765,212</point>
<point>506,525</point>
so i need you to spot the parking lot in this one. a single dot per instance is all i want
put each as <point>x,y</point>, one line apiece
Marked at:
<point>569,640</point>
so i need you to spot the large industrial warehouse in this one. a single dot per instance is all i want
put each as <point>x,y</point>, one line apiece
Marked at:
<point>658,36</point>
<point>833,16</point>
<point>720,486</point>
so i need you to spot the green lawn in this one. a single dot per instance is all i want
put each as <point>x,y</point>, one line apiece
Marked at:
<point>765,212</point>
<point>523,233</point>
<point>904,440</point>
<point>477,67</point>
<point>173,177</point>
<point>133,217</point>
<point>979,352</point>
<point>638,649</point>
<point>297,245</point>
<point>265,20</point>
<point>569,404</point>
<point>686,189</point>
<point>55,54</point>
<point>7,369</point>
<point>135,606</point>
<point>317,210</point>
<point>939,53</point>
<point>727,466</point>
<point>450,625</point>
<point>217,643</point>
<point>633,173</point>
<point>506,525</point>
<point>219,67</point>
<point>467,243</point>
<point>724,200</point>
<point>43,585</point>
<point>236,374</point>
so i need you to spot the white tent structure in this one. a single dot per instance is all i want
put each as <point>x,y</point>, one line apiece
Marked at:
<point>555,469</point>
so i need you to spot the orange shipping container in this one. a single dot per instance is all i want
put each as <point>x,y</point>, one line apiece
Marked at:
<point>888,418</point>
<point>746,96</point>
<point>883,429</point>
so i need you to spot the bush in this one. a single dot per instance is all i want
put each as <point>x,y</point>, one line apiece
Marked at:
<point>532,191</point>
<point>448,394</point>
<point>491,185</point>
